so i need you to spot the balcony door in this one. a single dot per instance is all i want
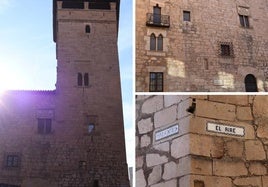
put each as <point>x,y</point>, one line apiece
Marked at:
<point>157,14</point>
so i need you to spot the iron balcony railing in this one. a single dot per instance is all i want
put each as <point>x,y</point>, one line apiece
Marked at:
<point>157,20</point>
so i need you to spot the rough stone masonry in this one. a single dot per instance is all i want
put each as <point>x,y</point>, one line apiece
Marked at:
<point>221,141</point>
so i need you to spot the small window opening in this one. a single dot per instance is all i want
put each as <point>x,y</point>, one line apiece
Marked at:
<point>79,79</point>
<point>91,121</point>
<point>186,15</point>
<point>244,21</point>
<point>96,183</point>
<point>87,29</point>
<point>225,50</point>
<point>152,42</point>
<point>73,4</point>
<point>44,126</point>
<point>82,164</point>
<point>160,43</point>
<point>86,79</point>
<point>198,183</point>
<point>12,161</point>
<point>99,5</point>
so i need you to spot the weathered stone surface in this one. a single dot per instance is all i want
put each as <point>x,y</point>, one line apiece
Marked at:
<point>170,170</point>
<point>260,108</point>
<point>257,169</point>
<point>162,147</point>
<point>173,99</point>
<point>165,117</point>
<point>206,146</point>
<point>265,181</point>
<point>140,179</point>
<point>145,140</point>
<point>152,105</point>
<point>234,99</point>
<point>155,176</point>
<point>171,183</point>
<point>155,159</point>
<point>215,110</point>
<point>235,148</point>
<point>183,106</point>
<point>247,181</point>
<point>145,126</point>
<point>254,150</point>
<point>229,168</point>
<point>139,162</point>
<point>244,113</point>
<point>180,146</point>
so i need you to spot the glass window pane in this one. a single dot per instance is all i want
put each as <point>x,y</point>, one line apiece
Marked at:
<point>152,42</point>
<point>160,43</point>
<point>186,16</point>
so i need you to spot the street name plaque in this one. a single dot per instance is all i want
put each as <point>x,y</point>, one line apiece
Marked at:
<point>225,129</point>
<point>166,132</point>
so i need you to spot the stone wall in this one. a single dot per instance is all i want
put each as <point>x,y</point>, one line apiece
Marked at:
<point>197,156</point>
<point>190,59</point>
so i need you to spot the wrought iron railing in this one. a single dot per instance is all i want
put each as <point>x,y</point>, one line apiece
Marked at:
<point>157,20</point>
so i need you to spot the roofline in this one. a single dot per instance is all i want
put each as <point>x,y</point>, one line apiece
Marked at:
<point>55,12</point>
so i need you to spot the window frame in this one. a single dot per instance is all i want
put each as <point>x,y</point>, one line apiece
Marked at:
<point>187,15</point>
<point>244,21</point>
<point>44,126</point>
<point>156,84</point>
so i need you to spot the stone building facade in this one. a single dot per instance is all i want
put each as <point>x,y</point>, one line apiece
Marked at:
<point>203,45</point>
<point>72,136</point>
<point>201,141</point>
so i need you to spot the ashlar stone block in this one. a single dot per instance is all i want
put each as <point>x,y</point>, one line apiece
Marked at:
<point>254,150</point>
<point>145,126</point>
<point>165,117</point>
<point>152,105</point>
<point>140,179</point>
<point>155,159</point>
<point>155,176</point>
<point>229,168</point>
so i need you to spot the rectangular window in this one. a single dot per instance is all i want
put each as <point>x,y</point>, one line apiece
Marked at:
<point>8,185</point>
<point>226,49</point>
<point>12,161</point>
<point>244,21</point>
<point>44,126</point>
<point>73,4</point>
<point>186,15</point>
<point>156,82</point>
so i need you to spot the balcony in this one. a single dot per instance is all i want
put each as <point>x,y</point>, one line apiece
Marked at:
<point>157,20</point>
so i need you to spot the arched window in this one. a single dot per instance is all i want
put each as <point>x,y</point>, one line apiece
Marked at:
<point>152,42</point>
<point>251,83</point>
<point>87,29</point>
<point>79,79</point>
<point>160,43</point>
<point>86,79</point>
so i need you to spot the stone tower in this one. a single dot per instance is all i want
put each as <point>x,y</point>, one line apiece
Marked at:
<point>74,135</point>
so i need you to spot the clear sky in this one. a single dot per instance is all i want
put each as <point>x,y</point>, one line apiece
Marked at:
<point>28,55</point>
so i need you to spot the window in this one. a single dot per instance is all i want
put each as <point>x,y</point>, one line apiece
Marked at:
<point>156,82</point>
<point>82,165</point>
<point>8,185</point>
<point>91,121</point>
<point>73,4</point>
<point>12,161</point>
<point>87,29</point>
<point>244,21</point>
<point>157,14</point>
<point>251,83</point>
<point>226,49</point>
<point>79,79</point>
<point>186,16</point>
<point>99,5</point>
<point>156,43</point>
<point>86,79</point>
<point>152,42</point>
<point>96,183</point>
<point>160,43</point>
<point>44,126</point>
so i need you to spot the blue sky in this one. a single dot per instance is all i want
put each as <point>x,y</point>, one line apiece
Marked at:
<point>28,56</point>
